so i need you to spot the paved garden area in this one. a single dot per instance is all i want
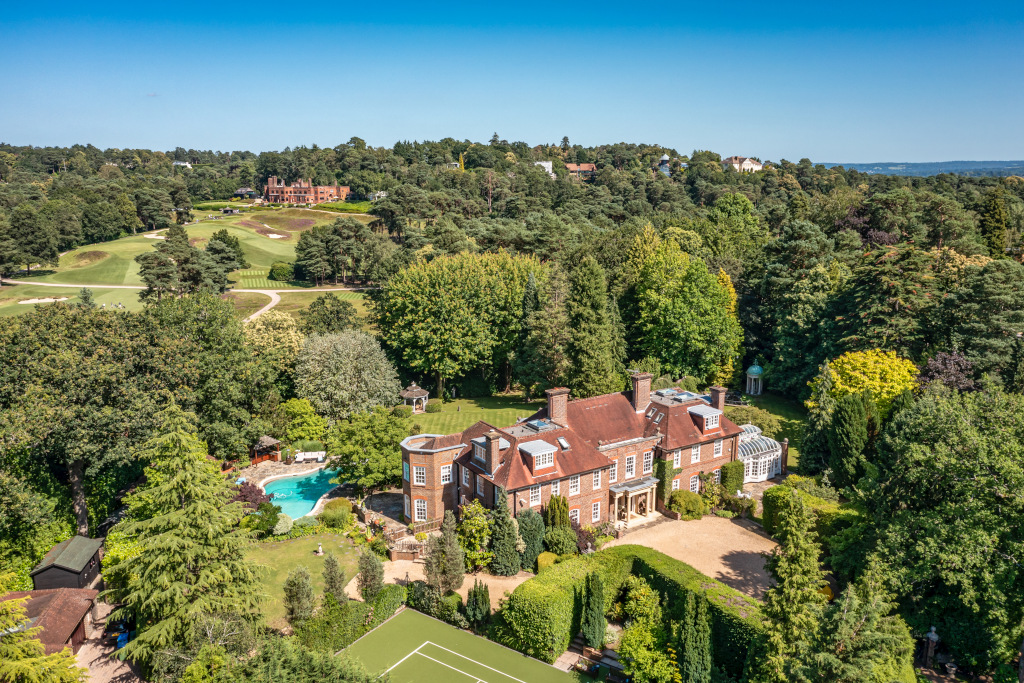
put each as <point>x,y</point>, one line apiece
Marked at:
<point>94,654</point>
<point>729,550</point>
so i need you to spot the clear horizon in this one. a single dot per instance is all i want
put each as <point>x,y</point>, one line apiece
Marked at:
<point>916,83</point>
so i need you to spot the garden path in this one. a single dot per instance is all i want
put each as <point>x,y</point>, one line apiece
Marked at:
<point>730,550</point>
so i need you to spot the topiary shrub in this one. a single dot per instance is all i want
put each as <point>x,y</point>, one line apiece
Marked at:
<point>687,503</point>
<point>402,411</point>
<point>560,540</point>
<point>545,560</point>
<point>283,525</point>
<point>732,477</point>
<point>433,405</point>
<point>282,272</point>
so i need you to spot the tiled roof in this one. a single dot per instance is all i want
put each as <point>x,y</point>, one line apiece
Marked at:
<point>581,167</point>
<point>57,611</point>
<point>601,420</point>
<point>680,428</point>
<point>72,554</point>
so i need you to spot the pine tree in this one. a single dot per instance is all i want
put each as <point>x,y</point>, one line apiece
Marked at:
<point>814,451</point>
<point>594,624</point>
<point>478,604</point>
<point>192,553</point>
<point>847,439</point>
<point>445,561</point>
<point>504,538</point>
<point>591,347</point>
<point>792,607</point>
<point>697,656</point>
<point>994,219</point>
<point>556,514</point>
<point>334,579</point>
<point>298,596</point>
<point>22,656</point>
<point>371,575</point>
<point>687,637</point>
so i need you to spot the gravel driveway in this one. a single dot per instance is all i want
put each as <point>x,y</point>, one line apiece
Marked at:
<point>729,550</point>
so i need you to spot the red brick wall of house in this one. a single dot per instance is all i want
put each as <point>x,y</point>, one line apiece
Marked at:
<point>638,449</point>
<point>708,463</point>
<point>438,496</point>
<point>520,500</point>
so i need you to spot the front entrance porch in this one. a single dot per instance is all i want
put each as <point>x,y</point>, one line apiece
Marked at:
<point>633,502</point>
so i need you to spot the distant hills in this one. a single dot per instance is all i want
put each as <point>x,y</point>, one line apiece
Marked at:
<point>969,168</point>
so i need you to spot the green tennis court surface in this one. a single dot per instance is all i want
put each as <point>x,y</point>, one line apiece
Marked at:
<point>414,648</point>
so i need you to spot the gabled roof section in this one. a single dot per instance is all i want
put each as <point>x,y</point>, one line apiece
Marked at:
<point>680,425</point>
<point>72,554</point>
<point>602,420</point>
<point>56,611</point>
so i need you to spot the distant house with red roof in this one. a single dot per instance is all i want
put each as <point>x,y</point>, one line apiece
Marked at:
<point>615,457</point>
<point>582,171</point>
<point>743,164</point>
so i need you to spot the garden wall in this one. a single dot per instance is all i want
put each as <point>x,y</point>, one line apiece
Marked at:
<point>542,615</point>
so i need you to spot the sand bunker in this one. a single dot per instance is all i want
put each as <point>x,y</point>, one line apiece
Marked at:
<point>155,237</point>
<point>47,300</point>
<point>277,237</point>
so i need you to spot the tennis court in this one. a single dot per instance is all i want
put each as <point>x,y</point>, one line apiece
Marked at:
<point>414,648</point>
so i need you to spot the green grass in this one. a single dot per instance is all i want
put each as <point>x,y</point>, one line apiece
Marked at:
<point>10,295</point>
<point>424,650</point>
<point>347,207</point>
<point>793,416</point>
<point>246,303</point>
<point>280,557</point>
<point>293,302</point>
<point>499,411</point>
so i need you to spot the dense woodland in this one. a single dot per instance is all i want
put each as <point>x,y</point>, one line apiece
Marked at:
<point>893,305</point>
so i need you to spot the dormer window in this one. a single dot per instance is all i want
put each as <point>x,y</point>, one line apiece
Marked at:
<point>542,452</point>
<point>479,453</point>
<point>543,460</point>
<point>711,421</point>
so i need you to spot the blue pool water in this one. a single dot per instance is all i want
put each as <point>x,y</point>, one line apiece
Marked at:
<point>298,495</point>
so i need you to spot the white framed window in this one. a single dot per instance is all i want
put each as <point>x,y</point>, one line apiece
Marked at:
<point>675,484</point>
<point>630,466</point>
<point>597,480</point>
<point>543,460</point>
<point>675,458</point>
<point>465,477</point>
<point>405,471</point>
<point>613,473</point>
<point>711,421</point>
<point>718,448</point>
<point>648,462</point>
<point>718,476</point>
<point>595,511</point>
<point>478,452</point>
<point>695,453</point>
<point>479,485</point>
<point>446,474</point>
<point>555,487</point>
<point>406,505</point>
<point>421,510</point>
<point>574,484</point>
<point>695,484</point>
<point>574,515</point>
<point>419,476</point>
<point>534,495</point>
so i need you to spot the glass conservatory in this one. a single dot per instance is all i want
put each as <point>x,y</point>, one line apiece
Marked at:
<point>761,456</point>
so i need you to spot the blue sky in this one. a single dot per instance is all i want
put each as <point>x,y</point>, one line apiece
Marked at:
<point>893,81</point>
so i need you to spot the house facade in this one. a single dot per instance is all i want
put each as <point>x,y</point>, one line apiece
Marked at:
<point>303,192</point>
<point>616,457</point>
<point>743,164</point>
<point>582,171</point>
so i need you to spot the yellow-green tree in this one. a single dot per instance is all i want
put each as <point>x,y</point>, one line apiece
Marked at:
<point>883,373</point>
<point>726,367</point>
<point>22,656</point>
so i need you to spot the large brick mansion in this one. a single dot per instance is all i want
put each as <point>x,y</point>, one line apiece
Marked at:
<point>615,457</point>
<point>303,192</point>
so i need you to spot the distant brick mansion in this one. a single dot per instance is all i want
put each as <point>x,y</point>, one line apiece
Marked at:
<point>615,457</point>
<point>303,192</point>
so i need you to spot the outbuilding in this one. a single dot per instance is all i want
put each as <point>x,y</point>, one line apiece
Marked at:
<point>267,448</point>
<point>63,615</point>
<point>415,397</point>
<point>74,563</point>
<point>755,380</point>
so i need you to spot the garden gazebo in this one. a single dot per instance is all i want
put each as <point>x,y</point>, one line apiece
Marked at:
<point>755,380</point>
<point>415,397</point>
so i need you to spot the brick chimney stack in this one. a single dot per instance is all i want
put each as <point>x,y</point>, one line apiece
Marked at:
<point>718,397</point>
<point>641,390</point>
<point>493,451</point>
<point>558,405</point>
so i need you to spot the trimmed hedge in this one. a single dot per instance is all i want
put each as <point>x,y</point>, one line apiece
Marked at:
<point>828,516</point>
<point>433,405</point>
<point>687,503</point>
<point>543,614</point>
<point>281,272</point>
<point>402,411</point>
<point>545,560</point>
<point>732,477</point>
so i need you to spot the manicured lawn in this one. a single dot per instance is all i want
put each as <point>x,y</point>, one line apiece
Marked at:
<point>293,302</point>
<point>280,557</point>
<point>499,411</point>
<point>10,295</point>
<point>793,416</point>
<point>246,303</point>
<point>419,649</point>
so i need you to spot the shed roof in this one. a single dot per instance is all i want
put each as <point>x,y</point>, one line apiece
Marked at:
<point>267,442</point>
<point>57,611</point>
<point>72,554</point>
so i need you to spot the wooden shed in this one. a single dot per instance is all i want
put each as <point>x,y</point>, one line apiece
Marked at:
<point>63,615</point>
<point>267,448</point>
<point>74,563</point>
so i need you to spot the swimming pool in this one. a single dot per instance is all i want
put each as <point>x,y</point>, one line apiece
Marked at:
<point>298,495</point>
